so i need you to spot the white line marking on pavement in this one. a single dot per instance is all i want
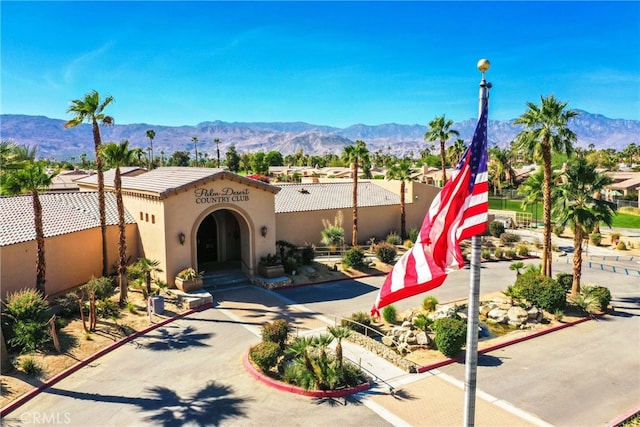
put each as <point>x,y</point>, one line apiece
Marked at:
<point>509,407</point>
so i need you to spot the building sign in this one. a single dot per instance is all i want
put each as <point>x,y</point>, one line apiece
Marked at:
<point>226,195</point>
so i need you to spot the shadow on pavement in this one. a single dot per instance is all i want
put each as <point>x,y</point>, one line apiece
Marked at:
<point>343,290</point>
<point>209,406</point>
<point>162,339</point>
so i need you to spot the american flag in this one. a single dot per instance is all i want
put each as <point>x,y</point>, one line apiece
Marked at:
<point>457,213</point>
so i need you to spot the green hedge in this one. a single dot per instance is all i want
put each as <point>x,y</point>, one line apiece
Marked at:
<point>450,335</point>
<point>541,291</point>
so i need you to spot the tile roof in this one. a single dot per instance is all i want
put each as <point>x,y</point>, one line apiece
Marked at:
<point>166,180</point>
<point>312,197</point>
<point>62,213</point>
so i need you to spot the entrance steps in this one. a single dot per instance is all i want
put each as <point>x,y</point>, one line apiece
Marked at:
<point>219,279</point>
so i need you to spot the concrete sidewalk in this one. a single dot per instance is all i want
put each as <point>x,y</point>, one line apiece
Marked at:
<point>402,399</point>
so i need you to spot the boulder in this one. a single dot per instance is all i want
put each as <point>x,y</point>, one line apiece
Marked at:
<point>517,316</point>
<point>497,315</point>
<point>422,338</point>
<point>388,341</point>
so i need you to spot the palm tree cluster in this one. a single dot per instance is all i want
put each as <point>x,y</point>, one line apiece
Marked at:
<point>311,366</point>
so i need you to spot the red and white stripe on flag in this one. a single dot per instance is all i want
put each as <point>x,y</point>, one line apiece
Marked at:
<point>457,213</point>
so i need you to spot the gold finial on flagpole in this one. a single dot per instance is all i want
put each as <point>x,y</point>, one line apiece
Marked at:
<point>484,65</point>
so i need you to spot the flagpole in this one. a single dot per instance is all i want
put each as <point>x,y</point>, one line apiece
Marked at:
<point>471,358</point>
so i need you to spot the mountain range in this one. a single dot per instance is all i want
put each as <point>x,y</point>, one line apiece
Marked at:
<point>56,142</point>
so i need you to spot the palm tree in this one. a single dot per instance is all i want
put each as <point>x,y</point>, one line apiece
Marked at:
<point>119,155</point>
<point>91,109</point>
<point>440,130</point>
<point>339,333</point>
<point>546,130</point>
<point>32,177</point>
<point>401,171</point>
<point>195,140</point>
<point>576,204</point>
<point>355,154</point>
<point>151,134</point>
<point>217,141</point>
<point>147,267</point>
<point>456,151</point>
<point>500,168</point>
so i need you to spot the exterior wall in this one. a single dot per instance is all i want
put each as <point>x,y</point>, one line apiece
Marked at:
<point>300,228</point>
<point>71,259</point>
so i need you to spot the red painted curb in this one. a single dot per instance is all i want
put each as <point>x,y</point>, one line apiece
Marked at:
<point>426,368</point>
<point>70,370</point>
<point>299,390</point>
<point>624,417</point>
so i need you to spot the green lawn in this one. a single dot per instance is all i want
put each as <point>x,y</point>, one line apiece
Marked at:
<point>621,220</point>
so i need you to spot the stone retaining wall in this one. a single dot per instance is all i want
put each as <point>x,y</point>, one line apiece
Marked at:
<point>382,351</point>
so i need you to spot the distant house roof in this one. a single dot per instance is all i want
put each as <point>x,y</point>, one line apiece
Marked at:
<point>162,182</point>
<point>628,184</point>
<point>62,213</point>
<point>339,195</point>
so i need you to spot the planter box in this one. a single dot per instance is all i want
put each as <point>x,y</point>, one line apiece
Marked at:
<point>188,285</point>
<point>270,271</point>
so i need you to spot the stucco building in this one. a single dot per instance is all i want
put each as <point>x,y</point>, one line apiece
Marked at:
<point>191,217</point>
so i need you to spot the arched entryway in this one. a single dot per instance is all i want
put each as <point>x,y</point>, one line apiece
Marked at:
<point>219,241</point>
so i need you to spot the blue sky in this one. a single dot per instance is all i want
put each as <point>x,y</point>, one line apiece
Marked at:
<point>329,63</point>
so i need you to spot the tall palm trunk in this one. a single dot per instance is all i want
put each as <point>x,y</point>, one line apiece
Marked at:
<point>546,209</point>
<point>354,237</point>
<point>403,216</point>
<point>578,235</point>
<point>40,261</point>
<point>101,199</point>
<point>444,162</point>
<point>122,242</point>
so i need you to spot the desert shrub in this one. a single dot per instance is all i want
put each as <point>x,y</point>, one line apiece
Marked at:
<point>30,366</point>
<point>586,302</point>
<point>566,280</point>
<point>104,287</point>
<point>413,234</point>
<point>541,291</point>
<point>386,252</point>
<point>558,315</point>
<point>509,238</point>
<point>389,313</point>
<point>621,246</point>
<point>393,238</point>
<point>596,238</point>
<point>422,322</point>
<point>69,305</point>
<point>265,355</point>
<point>358,321</point>
<point>276,332</point>
<point>354,257</point>
<point>308,254</point>
<point>510,253</point>
<point>290,264</point>
<point>485,254</point>
<point>558,229</point>
<point>26,304</point>
<point>522,250</point>
<point>498,253</point>
<point>24,320</point>
<point>496,228</point>
<point>29,336</point>
<point>429,303</point>
<point>107,308</point>
<point>601,294</point>
<point>450,335</point>
<point>332,235</point>
<point>408,243</point>
<point>131,307</point>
